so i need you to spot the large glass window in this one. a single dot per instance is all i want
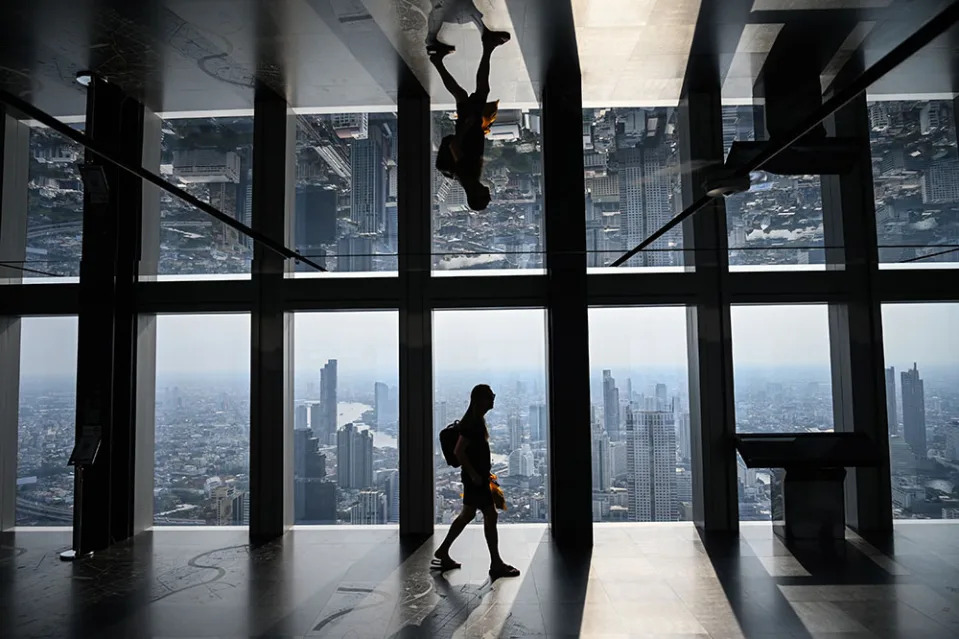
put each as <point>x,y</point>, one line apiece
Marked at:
<point>640,414</point>
<point>202,463</point>
<point>631,170</point>
<point>210,158</point>
<point>781,368</point>
<point>778,223</point>
<point>54,208</point>
<point>922,403</point>
<point>505,349</point>
<point>346,191</point>
<point>915,171</point>
<point>508,234</point>
<point>47,430</point>
<point>346,418</point>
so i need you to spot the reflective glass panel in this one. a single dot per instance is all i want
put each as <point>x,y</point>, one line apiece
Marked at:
<point>777,224</point>
<point>346,418</point>
<point>505,349</point>
<point>783,384</point>
<point>345,217</point>
<point>921,353</point>
<point>202,454</point>
<point>508,234</point>
<point>640,415</point>
<point>47,427</point>
<point>632,178</point>
<point>212,159</point>
<point>915,172</point>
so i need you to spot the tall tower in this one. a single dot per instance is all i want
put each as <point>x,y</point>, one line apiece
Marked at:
<point>538,422</point>
<point>327,402</point>
<point>651,466</point>
<point>368,164</point>
<point>891,413</point>
<point>354,457</point>
<point>602,472</point>
<point>914,412</point>
<point>645,187</point>
<point>611,406</point>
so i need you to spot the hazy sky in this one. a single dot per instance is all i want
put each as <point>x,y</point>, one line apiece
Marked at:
<point>508,339</point>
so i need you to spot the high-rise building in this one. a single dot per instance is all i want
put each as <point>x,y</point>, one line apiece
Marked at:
<point>440,417</point>
<point>328,402</point>
<point>651,466</point>
<point>611,406</point>
<point>515,429</point>
<point>645,185</point>
<point>538,422</point>
<point>392,490</point>
<point>521,462</point>
<point>354,457</point>
<point>940,182</point>
<point>914,412</point>
<point>206,166</point>
<point>662,398</point>
<point>368,199</point>
<point>370,508</point>
<point>315,218</point>
<point>891,413</point>
<point>602,470</point>
<point>354,254</point>
<point>952,441</point>
<point>300,416</point>
<point>316,419</point>
<point>385,409</point>
<point>684,436</point>
<point>350,125</point>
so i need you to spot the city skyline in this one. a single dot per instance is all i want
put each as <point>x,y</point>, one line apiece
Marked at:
<point>48,340</point>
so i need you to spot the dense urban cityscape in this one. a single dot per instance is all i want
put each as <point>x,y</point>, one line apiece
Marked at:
<point>346,464</point>
<point>345,430</point>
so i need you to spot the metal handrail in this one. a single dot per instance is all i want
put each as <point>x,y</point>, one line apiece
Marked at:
<point>81,138</point>
<point>925,34</point>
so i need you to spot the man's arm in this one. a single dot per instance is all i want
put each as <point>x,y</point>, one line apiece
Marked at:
<point>460,451</point>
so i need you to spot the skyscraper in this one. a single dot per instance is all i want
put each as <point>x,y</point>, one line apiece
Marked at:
<point>354,457</point>
<point>645,186</point>
<point>515,427</point>
<point>368,164</point>
<point>651,466</point>
<point>521,462</point>
<point>538,422</point>
<point>914,412</point>
<point>328,408</point>
<point>370,508</point>
<point>891,413</point>
<point>300,416</point>
<point>384,407</point>
<point>602,469</point>
<point>662,398</point>
<point>611,406</point>
<point>315,218</point>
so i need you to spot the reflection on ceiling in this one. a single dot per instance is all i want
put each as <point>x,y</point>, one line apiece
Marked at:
<point>633,52</point>
<point>188,56</point>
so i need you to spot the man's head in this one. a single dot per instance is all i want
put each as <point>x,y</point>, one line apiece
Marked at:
<point>482,398</point>
<point>477,195</point>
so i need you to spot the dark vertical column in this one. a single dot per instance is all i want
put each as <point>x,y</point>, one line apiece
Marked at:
<point>103,505</point>
<point>570,488</point>
<point>415,318</point>
<point>14,160</point>
<point>144,382</point>
<point>709,340</point>
<point>271,368</point>
<point>855,328</point>
<point>14,175</point>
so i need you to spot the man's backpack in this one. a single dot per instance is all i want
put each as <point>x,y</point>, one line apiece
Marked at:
<point>448,438</point>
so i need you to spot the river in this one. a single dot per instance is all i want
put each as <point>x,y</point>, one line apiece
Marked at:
<point>347,412</point>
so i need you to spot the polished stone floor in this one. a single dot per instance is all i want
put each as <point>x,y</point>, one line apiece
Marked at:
<point>640,580</point>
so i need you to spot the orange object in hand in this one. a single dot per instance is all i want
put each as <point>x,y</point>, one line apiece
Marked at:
<point>499,499</point>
